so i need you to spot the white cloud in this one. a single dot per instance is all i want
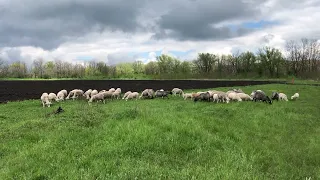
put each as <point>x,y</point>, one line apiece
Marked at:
<point>295,22</point>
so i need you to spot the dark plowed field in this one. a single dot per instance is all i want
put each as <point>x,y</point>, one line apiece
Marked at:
<point>22,90</point>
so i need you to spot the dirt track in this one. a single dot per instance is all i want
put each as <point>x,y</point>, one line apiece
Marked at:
<point>22,90</point>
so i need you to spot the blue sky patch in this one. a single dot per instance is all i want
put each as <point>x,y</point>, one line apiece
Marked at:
<point>85,58</point>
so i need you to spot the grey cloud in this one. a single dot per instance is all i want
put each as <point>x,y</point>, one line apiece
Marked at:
<point>193,20</point>
<point>48,24</point>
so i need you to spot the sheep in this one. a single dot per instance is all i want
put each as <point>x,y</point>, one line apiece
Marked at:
<point>244,97</point>
<point>118,90</point>
<point>97,97</point>
<point>215,97</point>
<point>295,96</point>
<point>132,96</point>
<point>279,96</point>
<point>112,90</point>
<point>45,100</point>
<point>176,91</point>
<point>116,94</point>
<point>60,96</point>
<point>147,93</point>
<point>77,93</point>
<point>203,97</point>
<point>87,94</point>
<point>253,92</point>
<point>126,94</point>
<point>162,93</point>
<point>107,94</point>
<point>64,92</point>
<point>93,92</point>
<point>234,96</point>
<point>283,97</point>
<point>223,97</point>
<point>70,94</point>
<point>187,95</point>
<point>260,96</point>
<point>275,96</point>
<point>53,96</point>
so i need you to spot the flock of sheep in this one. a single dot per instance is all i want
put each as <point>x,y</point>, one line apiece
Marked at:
<point>212,95</point>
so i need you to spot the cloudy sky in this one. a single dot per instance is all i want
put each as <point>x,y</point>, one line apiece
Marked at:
<point>117,31</point>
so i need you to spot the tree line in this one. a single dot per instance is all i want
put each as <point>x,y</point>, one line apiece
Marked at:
<point>301,59</point>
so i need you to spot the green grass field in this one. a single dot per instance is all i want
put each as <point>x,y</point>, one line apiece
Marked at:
<point>164,139</point>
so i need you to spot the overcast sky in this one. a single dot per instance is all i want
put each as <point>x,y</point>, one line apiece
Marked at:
<point>117,31</point>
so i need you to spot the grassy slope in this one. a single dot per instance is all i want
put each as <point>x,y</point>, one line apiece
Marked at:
<point>173,139</point>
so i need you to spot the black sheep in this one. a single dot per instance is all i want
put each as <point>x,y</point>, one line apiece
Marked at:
<point>163,93</point>
<point>259,96</point>
<point>275,96</point>
<point>202,97</point>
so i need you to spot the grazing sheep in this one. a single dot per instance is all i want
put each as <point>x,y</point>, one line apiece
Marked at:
<point>71,93</point>
<point>45,100</point>
<point>244,97</point>
<point>126,94</point>
<point>187,95</point>
<point>238,90</point>
<point>64,92</point>
<point>215,98</point>
<point>223,97</point>
<point>132,96</point>
<point>279,96</point>
<point>260,96</point>
<point>93,92</point>
<point>107,94</point>
<point>87,94</point>
<point>77,93</point>
<point>295,96</point>
<point>53,96</point>
<point>112,90</point>
<point>162,93</point>
<point>116,94</point>
<point>283,97</point>
<point>234,97</point>
<point>253,92</point>
<point>203,97</point>
<point>118,90</point>
<point>60,96</point>
<point>176,91</point>
<point>97,97</point>
<point>147,93</point>
<point>275,96</point>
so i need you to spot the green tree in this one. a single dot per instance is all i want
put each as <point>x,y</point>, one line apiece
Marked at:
<point>205,62</point>
<point>271,59</point>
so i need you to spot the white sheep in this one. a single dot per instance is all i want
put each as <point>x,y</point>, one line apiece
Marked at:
<point>234,96</point>
<point>223,97</point>
<point>283,97</point>
<point>107,94</point>
<point>87,94</point>
<point>176,91</point>
<point>71,93</point>
<point>116,94</point>
<point>132,96</point>
<point>60,96</point>
<point>126,94</point>
<point>244,97</point>
<point>295,96</point>
<point>187,95</point>
<point>97,97</point>
<point>64,92</point>
<point>102,91</point>
<point>53,96</point>
<point>215,98</point>
<point>77,93</point>
<point>93,92</point>
<point>45,100</point>
<point>112,90</point>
